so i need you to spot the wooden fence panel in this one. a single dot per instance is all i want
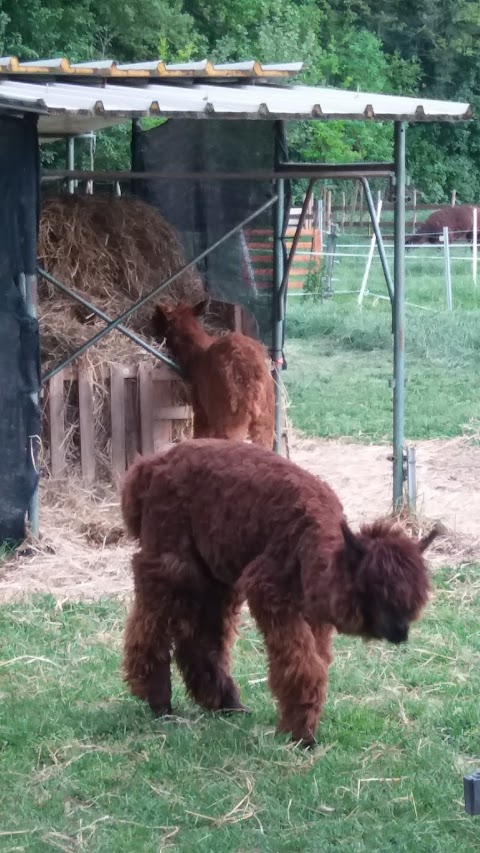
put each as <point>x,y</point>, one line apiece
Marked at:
<point>142,413</point>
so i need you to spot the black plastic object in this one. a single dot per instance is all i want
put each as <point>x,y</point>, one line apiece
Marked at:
<point>471,785</point>
<point>19,348</point>
<point>203,211</point>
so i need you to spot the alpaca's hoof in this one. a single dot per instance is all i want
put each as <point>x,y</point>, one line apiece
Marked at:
<point>162,710</point>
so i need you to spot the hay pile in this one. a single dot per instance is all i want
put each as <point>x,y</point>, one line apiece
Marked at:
<point>112,251</point>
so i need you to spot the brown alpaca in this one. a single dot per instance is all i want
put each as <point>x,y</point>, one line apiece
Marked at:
<point>231,385</point>
<point>458,220</point>
<point>219,522</point>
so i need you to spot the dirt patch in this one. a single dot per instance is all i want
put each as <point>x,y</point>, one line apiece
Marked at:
<point>84,555</point>
<point>447,485</point>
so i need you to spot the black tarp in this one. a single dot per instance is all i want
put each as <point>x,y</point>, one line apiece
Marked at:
<point>239,271</point>
<point>19,344</point>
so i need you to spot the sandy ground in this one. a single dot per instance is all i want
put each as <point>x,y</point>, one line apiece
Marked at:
<point>83,555</point>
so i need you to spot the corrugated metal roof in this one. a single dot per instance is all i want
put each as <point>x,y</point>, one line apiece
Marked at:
<point>69,108</point>
<point>61,66</point>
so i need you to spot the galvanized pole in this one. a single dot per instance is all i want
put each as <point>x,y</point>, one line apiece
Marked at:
<point>399,315</point>
<point>278,311</point>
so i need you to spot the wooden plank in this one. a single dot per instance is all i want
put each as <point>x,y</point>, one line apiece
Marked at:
<point>57,424</point>
<point>145,398</point>
<point>117,408</point>
<point>132,432</point>
<point>175,413</point>
<point>163,415</point>
<point>160,372</point>
<point>87,424</point>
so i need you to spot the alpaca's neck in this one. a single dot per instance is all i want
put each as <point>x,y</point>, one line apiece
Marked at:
<point>329,593</point>
<point>187,344</point>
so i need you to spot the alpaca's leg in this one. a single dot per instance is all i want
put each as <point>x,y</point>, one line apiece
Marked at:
<point>203,655</point>
<point>262,431</point>
<point>323,640</point>
<point>233,429</point>
<point>146,660</point>
<point>297,673</point>
<point>165,586</point>
<point>201,427</point>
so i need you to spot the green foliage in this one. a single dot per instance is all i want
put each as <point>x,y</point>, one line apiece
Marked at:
<point>387,46</point>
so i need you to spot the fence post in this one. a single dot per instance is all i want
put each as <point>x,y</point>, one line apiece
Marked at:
<point>331,247</point>
<point>329,209</point>
<point>354,202</point>
<point>475,245</point>
<point>454,198</point>
<point>448,271</point>
<point>414,219</point>
<point>363,288</point>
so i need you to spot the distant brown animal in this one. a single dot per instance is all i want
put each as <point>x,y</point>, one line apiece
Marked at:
<point>458,219</point>
<point>219,522</point>
<point>231,384</point>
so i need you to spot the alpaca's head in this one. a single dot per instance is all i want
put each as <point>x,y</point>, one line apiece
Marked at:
<point>175,317</point>
<point>383,581</point>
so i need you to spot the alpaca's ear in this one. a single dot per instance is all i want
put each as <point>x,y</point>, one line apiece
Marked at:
<point>354,550</point>
<point>200,307</point>
<point>428,539</point>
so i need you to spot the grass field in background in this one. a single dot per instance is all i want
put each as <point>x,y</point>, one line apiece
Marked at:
<point>340,356</point>
<point>83,766</point>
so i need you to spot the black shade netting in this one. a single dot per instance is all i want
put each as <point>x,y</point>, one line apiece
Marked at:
<point>19,344</point>
<point>241,269</point>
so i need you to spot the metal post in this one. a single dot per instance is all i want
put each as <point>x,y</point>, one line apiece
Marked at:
<point>379,238</point>
<point>71,162</point>
<point>399,315</point>
<point>114,324</point>
<point>278,311</point>
<point>330,254</point>
<point>33,507</point>
<point>448,271</point>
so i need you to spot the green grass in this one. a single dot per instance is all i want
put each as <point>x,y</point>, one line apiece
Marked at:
<point>340,359</point>
<point>83,766</point>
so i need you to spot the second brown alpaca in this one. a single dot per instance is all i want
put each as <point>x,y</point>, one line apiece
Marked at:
<point>231,385</point>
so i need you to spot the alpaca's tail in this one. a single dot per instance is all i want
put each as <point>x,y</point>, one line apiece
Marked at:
<point>134,487</point>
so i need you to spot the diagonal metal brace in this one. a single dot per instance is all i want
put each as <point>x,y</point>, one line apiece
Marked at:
<point>379,238</point>
<point>93,308</point>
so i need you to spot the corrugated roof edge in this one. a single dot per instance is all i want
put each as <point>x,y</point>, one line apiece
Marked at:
<point>154,68</point>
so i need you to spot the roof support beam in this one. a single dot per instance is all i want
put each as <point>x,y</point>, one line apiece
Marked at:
<point>292,171</point>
